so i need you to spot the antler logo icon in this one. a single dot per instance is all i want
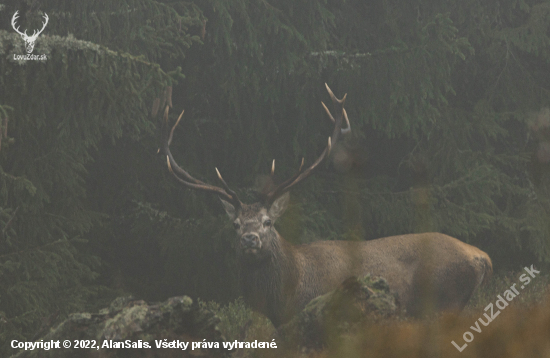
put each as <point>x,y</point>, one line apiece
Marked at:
<point>29,40</point>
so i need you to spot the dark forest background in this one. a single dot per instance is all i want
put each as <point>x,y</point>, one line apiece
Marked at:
<point>448,102</point>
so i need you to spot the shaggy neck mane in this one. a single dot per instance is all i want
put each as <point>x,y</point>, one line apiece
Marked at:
<point>269,285</point>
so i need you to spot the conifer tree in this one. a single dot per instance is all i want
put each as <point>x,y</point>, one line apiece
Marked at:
<point>95,86</point>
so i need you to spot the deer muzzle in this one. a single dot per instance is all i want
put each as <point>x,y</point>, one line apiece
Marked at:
<point>250,242</point>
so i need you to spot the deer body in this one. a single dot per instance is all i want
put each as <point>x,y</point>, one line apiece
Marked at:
<point>422,269</point>
<point>429,271</point>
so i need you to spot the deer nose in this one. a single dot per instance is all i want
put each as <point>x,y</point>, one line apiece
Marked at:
<point>250,240</point>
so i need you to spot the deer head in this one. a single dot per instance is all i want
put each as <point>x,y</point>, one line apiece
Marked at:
<point>253,223</point>
<point>29,40</point>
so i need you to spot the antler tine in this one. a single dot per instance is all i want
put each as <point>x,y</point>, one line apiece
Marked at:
<point>227,188</point>
<point>348,125</point>
<point>309,170</point>
<point>275,193</point>
<point>333,97</point>
<point>328,112</point>
<point>188,180</point>
<point>174,126</point>
<point>292,178</point>
<point>332,140</point>
<point>205,187</point>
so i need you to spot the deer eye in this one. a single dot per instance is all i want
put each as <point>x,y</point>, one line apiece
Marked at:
<point>267,223</point>
<point>237,226</point>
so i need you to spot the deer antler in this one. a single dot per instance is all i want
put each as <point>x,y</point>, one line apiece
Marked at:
<point>299,175</point>
<point>190,182</point>
<point>24,34</point>
<point>43,26</point>
<point>13,20</point>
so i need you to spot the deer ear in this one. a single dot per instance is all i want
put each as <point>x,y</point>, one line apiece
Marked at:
<point>229,209</point>
<point>279,206</point>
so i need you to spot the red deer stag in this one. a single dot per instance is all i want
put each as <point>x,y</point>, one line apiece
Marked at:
<point>279,279</point>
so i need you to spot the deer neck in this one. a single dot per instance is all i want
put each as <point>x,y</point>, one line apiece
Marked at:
<point>269,284</point>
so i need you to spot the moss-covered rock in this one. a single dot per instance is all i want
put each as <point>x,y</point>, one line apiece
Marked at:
<point>337,312</point>
<point>136,324</point>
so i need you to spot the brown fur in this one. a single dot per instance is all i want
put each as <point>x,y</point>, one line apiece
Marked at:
<point>428,272</point>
